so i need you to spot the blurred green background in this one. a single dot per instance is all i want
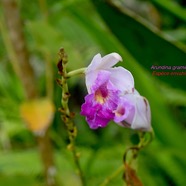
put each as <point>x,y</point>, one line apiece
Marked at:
<point>144,33</point>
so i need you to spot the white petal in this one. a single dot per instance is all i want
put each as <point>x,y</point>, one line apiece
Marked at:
<point>95,63</point>
<point>122,79</point>
<point>142,117</point>
<point>136,92</point>
<point>110,60</point>
<point>90,79</point>
<point>99,63</point>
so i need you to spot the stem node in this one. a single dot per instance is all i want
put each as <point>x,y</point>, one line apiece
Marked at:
<point>66,115</point>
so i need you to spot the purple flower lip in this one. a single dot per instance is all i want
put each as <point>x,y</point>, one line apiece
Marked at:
<point>101,96</point>
<point>120,112</point>
<point>99,105</point>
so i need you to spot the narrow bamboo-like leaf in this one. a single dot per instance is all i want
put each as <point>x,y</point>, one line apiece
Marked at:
<point>46,38</point>
<point>172,7</point>
<point>176,34</point>
<point>145,43</point>
<point>164,166</point>
<point>163,123</point>
<point>166,160</point>
<point>173,96</point>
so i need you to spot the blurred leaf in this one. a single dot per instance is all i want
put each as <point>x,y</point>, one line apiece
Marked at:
<point>172,7</point>
<point>8,82</point>
<point>150,171</point>
<point>170,162</point>
<point>38,114</point>
<point>46,38</point>
<point>175,172</point>
<point>27,163</point>
<point>20,162</point>
<point>173,96</point>
<point>83,33</point>
<point>175,35</point>
<point>20,168</point>
<point>145,83</point>
<point>77,42</point>
<point>18,180</point>
<point>143,41</point>
<point>11,93</point>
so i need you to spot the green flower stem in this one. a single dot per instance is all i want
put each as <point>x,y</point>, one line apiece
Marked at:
<point>144,141</point>
<point>112,176</point>
<point>135,150</point>
<point>67,116</point>
<point>76,72</point>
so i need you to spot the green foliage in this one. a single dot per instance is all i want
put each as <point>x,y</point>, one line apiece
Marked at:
<point>142,41</point>
<point>85,28</point>
<point>172,7</point>
<point>18,167</point>
<point>42,41</point>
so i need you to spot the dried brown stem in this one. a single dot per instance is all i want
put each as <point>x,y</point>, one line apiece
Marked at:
<point>14,25</point>
<point>20,56</point>
<point>47,158</point>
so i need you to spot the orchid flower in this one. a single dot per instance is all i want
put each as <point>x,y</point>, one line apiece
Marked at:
<point>100,103</point>
<point>112,96</point>
<point>134,112</point>
<point>121,78</point>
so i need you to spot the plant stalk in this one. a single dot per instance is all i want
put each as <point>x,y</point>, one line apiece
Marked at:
<point>66,115</point>
<point>76,72</point>
<point>19,56</point>
<point>135,150</point>
<point>112,176</point>
<point>46,153</point>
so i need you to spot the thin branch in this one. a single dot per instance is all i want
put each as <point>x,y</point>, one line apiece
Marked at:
<point>67,116</point>
<point>112,176</point>
<point>17,49</point>
<point>18,44</point>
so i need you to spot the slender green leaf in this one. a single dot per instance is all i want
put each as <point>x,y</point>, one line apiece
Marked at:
<point>46,38</point>
<point>163,122</point>
<point>172,7</point>
<point>145,43</point>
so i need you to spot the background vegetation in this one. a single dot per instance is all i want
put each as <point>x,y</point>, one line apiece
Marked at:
<point>144,33</point>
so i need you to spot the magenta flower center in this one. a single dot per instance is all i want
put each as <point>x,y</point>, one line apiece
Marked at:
<point>120,111</point>
<point>101,95</point>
